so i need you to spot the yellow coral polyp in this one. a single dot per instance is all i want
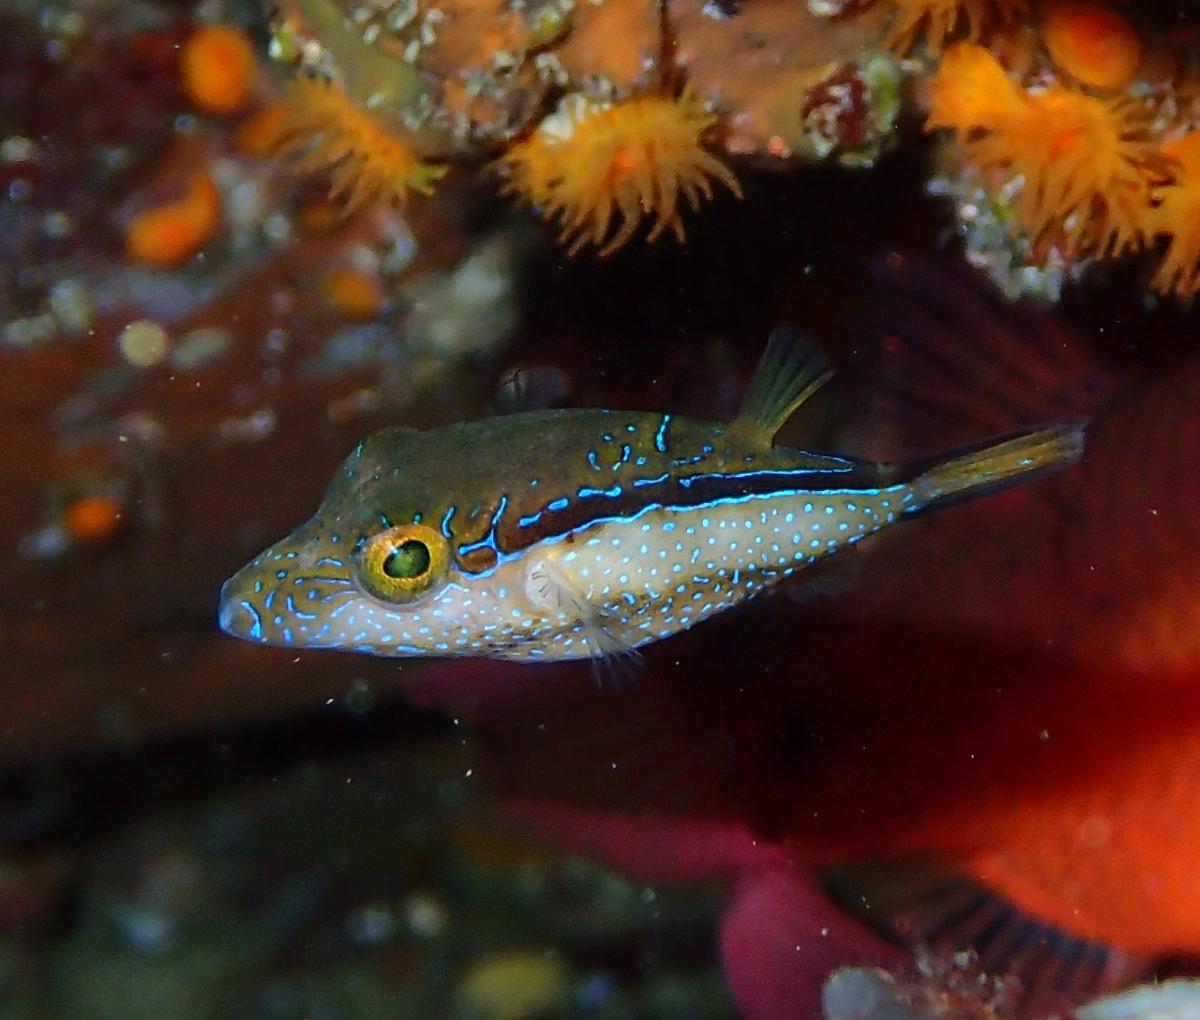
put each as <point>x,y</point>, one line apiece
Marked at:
<point>941,20</point>
<point>1085,164</point>
<point>366,162</point>
<point>593,165</point>
<point>1178,216</point>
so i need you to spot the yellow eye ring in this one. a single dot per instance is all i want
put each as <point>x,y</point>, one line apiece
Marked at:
<point>404,562</point>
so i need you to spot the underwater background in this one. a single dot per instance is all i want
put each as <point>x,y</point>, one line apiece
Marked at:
<point>953,772</point>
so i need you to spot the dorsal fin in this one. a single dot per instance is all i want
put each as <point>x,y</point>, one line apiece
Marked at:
<point>920,902</point>
<point>789,372</point>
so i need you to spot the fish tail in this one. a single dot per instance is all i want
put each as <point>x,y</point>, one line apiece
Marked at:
<point>997,463</point>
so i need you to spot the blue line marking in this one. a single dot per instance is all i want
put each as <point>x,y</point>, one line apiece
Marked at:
<point>611,493</point>
<point>639,483</point>
<point>489,540</point>
<point>710,504</point>
<point>660,437</point>
<point>446,522</point>
<point>689,480</point>
<point>500,508</point>
<point>558,504</point>
<point>591,459</point>
<point>256,626</point>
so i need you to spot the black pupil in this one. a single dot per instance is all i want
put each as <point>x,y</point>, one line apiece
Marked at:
<point>408,560</point>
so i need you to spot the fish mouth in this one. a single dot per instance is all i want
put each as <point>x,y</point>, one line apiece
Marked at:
<point>237,615</point>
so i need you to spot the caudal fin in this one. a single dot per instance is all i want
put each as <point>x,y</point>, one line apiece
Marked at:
<point>998,463</point>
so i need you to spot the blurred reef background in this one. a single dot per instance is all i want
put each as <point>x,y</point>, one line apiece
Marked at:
<point>238,239</point>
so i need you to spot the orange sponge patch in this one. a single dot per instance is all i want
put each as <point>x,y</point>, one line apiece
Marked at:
<point>352,294</point>
<point>170,234</point>
<point>217,65</point>
<point>1093,44</point>
<point>93,518</point>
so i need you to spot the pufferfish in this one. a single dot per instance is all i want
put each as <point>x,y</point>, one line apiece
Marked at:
<point>569,534</point>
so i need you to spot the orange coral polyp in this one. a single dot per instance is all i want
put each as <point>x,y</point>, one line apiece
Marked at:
<point>593,163</point>
<point>1178,216</point>
<point>217,66</point>
<point>972,90</point>
<point>1085,163</point>
<point>1093,44</point>
<point>170,234</point>
<point>942,19</point>
<point>366,162</point>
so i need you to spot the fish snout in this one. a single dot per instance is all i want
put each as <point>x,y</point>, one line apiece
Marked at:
<point>289,595</point>
<point>240,609</point>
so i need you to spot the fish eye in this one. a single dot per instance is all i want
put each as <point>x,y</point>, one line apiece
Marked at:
<point>407,561</point>
<point>403,562</point>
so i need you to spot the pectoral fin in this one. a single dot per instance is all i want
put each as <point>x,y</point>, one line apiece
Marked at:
<point>613,659</point>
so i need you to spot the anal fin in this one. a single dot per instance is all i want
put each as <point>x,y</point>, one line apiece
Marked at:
<point>922,903</point>
<point>790,371</point>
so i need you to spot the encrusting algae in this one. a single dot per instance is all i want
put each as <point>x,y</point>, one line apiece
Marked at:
<point>592,162</point>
